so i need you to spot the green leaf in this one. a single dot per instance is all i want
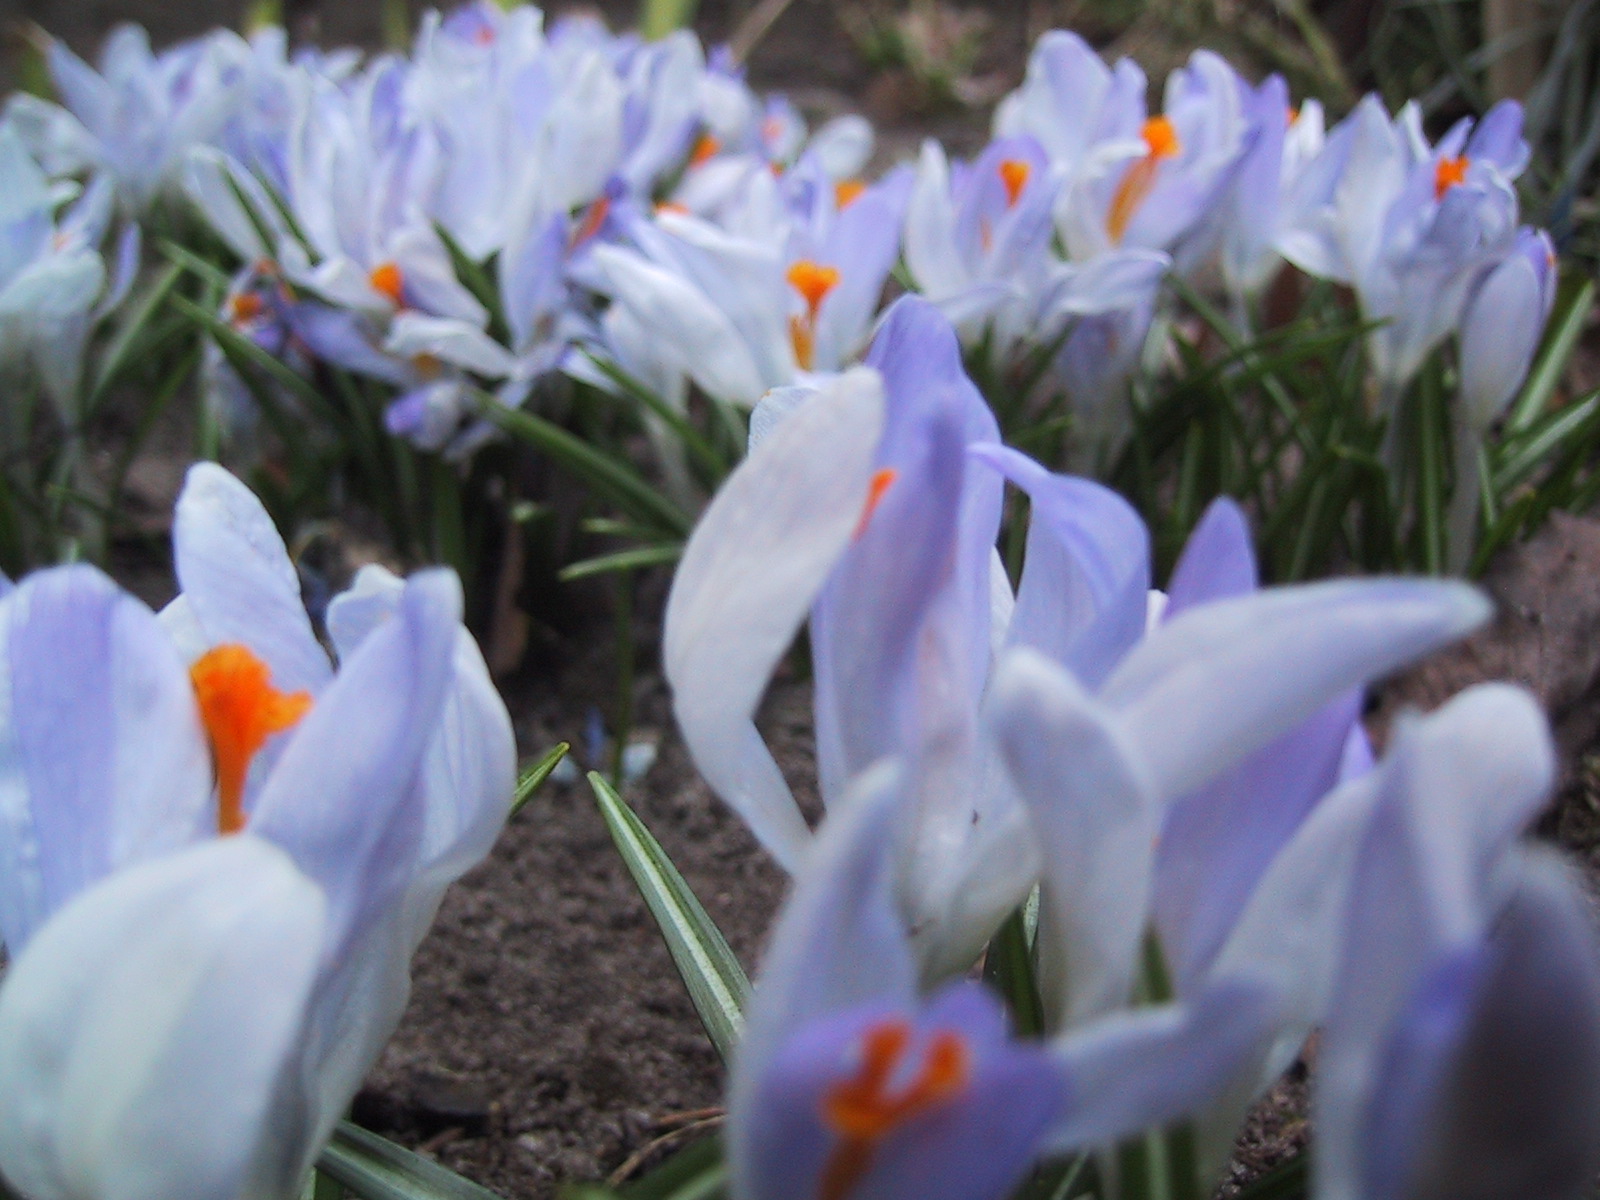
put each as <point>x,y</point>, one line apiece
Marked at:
<point>716,982</point>
<point>1571,311</point>
<point>612,476</point>
<point>117,353</point>
<point>1008,968</point>
<point>535,775</point>
<point>694,1173</point>
<point>622,560</point>
<point>715,465</point>
<point>374,1168</point>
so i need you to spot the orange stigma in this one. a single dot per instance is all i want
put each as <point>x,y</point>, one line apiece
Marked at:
<point>245,307</point>
<point>1014,174</point>
<point>1161,141</point>
<point>240,710</point>
<point>1447,173</point>
<point>705,148</point>
<point>813,281</point>
<point>1161,138</point>
<point>863,1111</point>
<point>882,479</point>
<point>593,219</point>
<point>388,279</point>
<point>672,206</point>
<point>847,191</point>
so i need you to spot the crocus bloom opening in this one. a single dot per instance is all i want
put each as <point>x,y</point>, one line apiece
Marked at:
<point>1447,173</point>
<point>387,278</point>
<point>1014,174</point>
<point>240,710</point>
<point>813,281</point>
<point>863,1110</point>
<point>1161,141</point>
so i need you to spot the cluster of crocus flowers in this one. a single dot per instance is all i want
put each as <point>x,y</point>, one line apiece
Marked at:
<point>1220,864</point>
<point>218,854</point>
<point>637,204</point>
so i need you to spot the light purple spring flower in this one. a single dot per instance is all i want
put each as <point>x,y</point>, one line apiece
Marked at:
<point>1461,1056</point>
<point>236,989</point>
<point>910,610</point>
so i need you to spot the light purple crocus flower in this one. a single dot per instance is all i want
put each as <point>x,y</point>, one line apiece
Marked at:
<point>977,237</point>
<point>238,987</point>
<point>1461,1056</point>
<point>909,610</point>
<point>1410,227</point>
<point>1501,326</point>
<point>54,284</point>
<point>847,1084</point>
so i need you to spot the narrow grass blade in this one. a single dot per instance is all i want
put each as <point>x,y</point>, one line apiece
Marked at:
<point>534,777</point>
<point>716,982</point>
<point>138,322</point>
<point>1008,968</point>
<point>696,1172</point>
<point>1566,326</point>
<point>374,1168</point>
<point>622,560</point>
<point>615,478</point>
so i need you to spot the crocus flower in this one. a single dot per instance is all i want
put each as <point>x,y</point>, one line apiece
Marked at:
<point>1500,330</point>
<point>1408,226</point>
<point>220,855</point>
<point>54,284</point>
<point>908,609</point>
<point>847,1084</point>
<point>1461,1056</point>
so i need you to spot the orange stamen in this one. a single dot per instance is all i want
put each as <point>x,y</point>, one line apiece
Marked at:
<point>1447,173</point>
<point>847,192</point>
<point>245,307</point>
<point>388,279</point>
<point>593,219</point>
<point>672,206</point>
<point>1293,114</point>
<point>882,479</point>
<point>1161,137</point>
<point>813,281</point>
<point>1014,174</point>
<point>240,710</point>
<point>1161,141</point>
<point>863,1111</point>
<point>705,148</point>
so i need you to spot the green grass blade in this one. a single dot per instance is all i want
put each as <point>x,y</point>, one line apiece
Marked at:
<point>696,1172</point>
<point>1573,303</point>
<point>622,560</point>
<point>716,982</point>
<point>533,778</point>
<point>1008,968</point>
<point>118,352</point>
<point>616,479</point>
<point>374,1168</point>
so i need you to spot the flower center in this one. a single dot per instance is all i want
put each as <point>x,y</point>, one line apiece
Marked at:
<point>847,191</point>
<point>864,1109</point>
<point>1447,173</point>
<point>240,710</point>
<point>706,147</point>
<point>388,279</point>
<point>813,281</point>
<point>1161,141</point>
<point>1014,174</point>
